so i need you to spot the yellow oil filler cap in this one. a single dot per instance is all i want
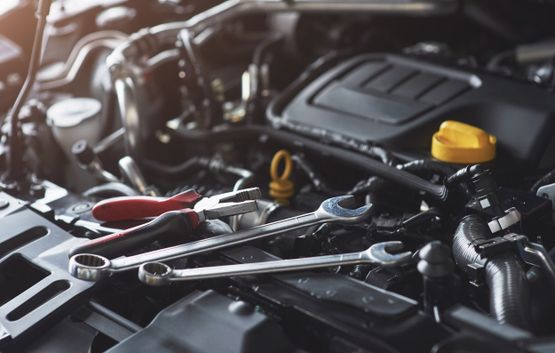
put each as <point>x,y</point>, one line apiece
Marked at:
<point>457,142</point>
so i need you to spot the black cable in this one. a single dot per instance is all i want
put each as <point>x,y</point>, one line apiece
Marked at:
<point>361,161</point>
<point>175,170</point>
<point>315,178</point>
<point>544,180</point>
<point>417,167</point>
<point>112,189</point>
<point>498,59</point>
<point>15,152</point>
<point>254,104</point>
<point>194,68</point>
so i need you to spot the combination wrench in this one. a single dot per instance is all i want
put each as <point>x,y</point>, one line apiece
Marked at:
<point>92,267</point>
<point>159,274</point>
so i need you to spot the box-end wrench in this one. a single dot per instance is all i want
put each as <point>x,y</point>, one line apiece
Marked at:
<point>93,267</point>
<point>159,274</point>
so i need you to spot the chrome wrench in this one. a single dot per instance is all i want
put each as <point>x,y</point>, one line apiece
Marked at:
<point>159,274</point>
<point>91,267</point>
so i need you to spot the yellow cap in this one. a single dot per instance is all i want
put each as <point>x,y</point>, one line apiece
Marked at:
<point>457,142</point>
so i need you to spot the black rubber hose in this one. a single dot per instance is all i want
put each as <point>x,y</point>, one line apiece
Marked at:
<point>15,169</point>
<point>254,104</point>
<point>417,167</point>
<point>295,141</point>
<point>112,189</point>
<point>505,274</point>
<point>544,180</point>
<point>194,68</point>
<point>463,175</point>
<point>176,170</point>
<point>315,177</point>
<point>427,166</point>
<point>537,273</point>
<point>369,186</point>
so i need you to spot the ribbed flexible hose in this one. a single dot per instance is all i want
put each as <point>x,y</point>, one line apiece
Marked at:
<point>505,274</point>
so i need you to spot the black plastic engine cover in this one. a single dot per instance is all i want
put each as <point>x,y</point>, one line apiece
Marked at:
<point>208,323</point>
<point>400,102</point>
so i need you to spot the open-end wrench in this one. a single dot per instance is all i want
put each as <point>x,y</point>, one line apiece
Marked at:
<point>159,274</point>
<point>93,267</point>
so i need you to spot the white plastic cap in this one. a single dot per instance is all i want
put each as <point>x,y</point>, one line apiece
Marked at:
<point>73,111</point>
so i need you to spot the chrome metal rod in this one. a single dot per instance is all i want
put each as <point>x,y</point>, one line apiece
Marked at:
<point>94,267</point>
<point>157,274</point>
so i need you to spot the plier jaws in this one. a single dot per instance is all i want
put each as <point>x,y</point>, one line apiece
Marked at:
<point>229,204</point>
<point>174,217</point>
<point>140,207</point>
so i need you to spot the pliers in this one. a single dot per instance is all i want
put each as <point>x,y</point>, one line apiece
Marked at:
<point>174,217</point>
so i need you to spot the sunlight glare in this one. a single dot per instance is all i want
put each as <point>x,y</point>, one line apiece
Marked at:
<point>7,5</point>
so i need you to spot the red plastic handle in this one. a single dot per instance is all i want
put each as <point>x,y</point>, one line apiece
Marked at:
<point>138,207</point>
<point>174,224</point>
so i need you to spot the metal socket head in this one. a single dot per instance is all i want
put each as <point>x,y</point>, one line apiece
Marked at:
<point>155,274</point>
<point>89,267</point>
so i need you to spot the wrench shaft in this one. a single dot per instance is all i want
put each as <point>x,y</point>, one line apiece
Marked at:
<point>159,274</point>
<point>268,267</point>
<point>93,267</point>
<point>219,242</point>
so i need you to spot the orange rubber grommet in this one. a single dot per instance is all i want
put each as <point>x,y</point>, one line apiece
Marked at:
<point>281,187</point>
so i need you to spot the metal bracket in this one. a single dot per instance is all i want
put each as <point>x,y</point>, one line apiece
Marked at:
<point>533,254</point>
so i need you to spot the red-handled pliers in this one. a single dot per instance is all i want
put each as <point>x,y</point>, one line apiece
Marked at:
<point>139,207</point>
<point>176,216</point>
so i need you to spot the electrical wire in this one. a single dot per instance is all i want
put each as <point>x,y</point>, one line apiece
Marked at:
<point>15,151</point>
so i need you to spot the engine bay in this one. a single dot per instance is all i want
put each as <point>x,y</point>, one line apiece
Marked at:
<point>277,176</point>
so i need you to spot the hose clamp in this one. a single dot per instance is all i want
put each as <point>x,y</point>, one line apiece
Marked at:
<point>533,254</point>
<point>512,216</point>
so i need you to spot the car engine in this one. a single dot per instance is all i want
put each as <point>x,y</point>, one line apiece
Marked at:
<point>277,176</point>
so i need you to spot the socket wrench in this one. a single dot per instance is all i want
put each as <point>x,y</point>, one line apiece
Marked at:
<point>159,274</point>
<point>91,267</point>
